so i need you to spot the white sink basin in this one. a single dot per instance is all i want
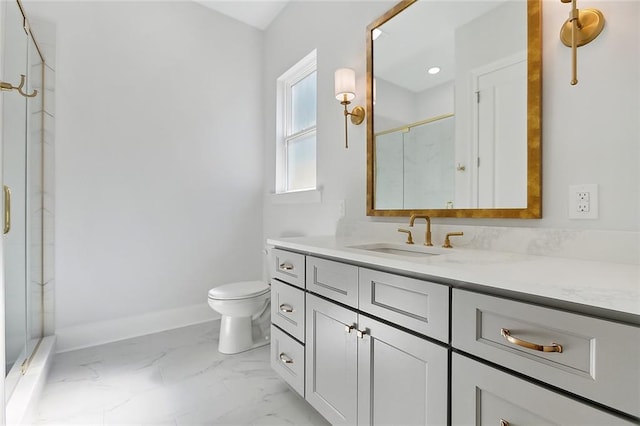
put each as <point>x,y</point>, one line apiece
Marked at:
<point>409,250</point>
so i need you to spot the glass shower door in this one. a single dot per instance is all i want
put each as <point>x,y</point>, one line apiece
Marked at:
<point>15,50</point>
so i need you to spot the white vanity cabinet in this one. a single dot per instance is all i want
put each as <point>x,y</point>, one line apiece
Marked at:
<point>362,371</point>
<point>367,345</point>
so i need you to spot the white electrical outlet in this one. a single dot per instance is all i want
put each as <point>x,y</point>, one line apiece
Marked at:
<point>342,208</point>
<point>583,201</point>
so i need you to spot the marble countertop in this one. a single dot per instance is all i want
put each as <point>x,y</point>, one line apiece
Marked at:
<point>613,287</point>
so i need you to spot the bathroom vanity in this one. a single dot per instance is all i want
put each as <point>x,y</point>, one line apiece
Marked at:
<point>377,334</point>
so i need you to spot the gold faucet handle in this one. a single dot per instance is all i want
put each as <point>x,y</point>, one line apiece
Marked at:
<point>447,242</point>
<point>408,232</point>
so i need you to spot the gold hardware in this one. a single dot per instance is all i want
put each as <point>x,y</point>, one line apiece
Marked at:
<point>427,236</point>
<point>286,308</point>
<point>447,242</point>
<point>348,328</point>
<point>408,232</point>
<point>345,91</point>
<point>7,209</point>
<point>24,366</point>
<point>540,348</point>
<point>8,87</point>
<point>503,422</point>
<point>286,267</point>
<point>285,359</point>
<point>461,167</point>
<point>357,117</point>
<point>582,27</point>
<point>361,333</point>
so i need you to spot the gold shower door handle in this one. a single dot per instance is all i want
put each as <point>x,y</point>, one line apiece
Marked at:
<point>7,209</point>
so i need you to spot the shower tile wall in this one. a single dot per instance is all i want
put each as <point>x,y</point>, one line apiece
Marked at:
<point>34,203</point>
<point>45,34</point>
<point>49,201</point>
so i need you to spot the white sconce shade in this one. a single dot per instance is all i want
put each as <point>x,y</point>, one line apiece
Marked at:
<point>345,84</point>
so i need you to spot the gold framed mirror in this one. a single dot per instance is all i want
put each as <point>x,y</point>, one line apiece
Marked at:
<point>479,159</point>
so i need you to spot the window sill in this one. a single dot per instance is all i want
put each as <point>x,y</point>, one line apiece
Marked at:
<point>309,196</point>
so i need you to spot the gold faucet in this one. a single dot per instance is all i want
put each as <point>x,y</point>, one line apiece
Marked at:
<point>447,241</point>
<point>409,237</point>
<point>427,236</point>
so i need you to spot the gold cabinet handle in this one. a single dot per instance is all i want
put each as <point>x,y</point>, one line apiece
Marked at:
<point>361,333</point>
<point>286,308</point>
<point>507,335</point>
<point>285,359</point>
<point>286,267</point>
<point>7,209</point>
<point>348,328</point>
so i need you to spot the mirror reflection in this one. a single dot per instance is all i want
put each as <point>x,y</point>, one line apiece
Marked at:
<point>451,106</point>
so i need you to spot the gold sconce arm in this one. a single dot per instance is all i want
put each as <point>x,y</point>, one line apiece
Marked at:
<point>582,27</point>
<point>357,117</point>
<point>8,87</point>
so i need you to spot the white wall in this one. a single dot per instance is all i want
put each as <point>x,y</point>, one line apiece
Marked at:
<point>158,160</point>
<point>590,131</point>
<point>337,30</point>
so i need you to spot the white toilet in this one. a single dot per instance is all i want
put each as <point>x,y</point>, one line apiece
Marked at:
<point>239,304</point>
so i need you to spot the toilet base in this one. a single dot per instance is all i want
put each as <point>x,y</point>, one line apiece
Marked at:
<point>236,335</point>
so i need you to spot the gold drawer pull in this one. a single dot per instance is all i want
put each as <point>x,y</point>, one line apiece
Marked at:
<point>287,309</point>
<point>286,267</point>
<point>285,359</point>
<point>507,335</point>
<point>503,422</point>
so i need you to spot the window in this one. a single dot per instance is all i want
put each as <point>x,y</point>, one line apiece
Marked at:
<point>296,128</point>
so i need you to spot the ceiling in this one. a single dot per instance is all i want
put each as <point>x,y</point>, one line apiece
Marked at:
<point>257,13</point>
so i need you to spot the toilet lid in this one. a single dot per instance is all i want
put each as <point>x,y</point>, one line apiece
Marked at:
<point>239,290</point>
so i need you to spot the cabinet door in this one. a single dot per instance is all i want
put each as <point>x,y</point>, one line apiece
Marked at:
<point>331,360</point>
<point>402,379</point>
<point>482,395</point>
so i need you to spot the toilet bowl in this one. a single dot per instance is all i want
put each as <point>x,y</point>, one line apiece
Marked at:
<point>240,303</point>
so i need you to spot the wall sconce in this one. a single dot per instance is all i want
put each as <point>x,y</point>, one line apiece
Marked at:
<point>582,27</point>
<point>345,90</point>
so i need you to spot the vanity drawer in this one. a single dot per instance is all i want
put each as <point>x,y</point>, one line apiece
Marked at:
<point>287,308</point>
<point>287,359</point>
<point>600,360</point>
<point>421,306</point>
<point>337,281</point>
<point>287,266</point>
<point>484,396</point>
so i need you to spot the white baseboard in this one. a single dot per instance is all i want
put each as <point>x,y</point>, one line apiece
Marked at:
<point>98,333</point>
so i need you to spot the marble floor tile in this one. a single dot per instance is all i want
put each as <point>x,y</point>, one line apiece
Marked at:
<point>173,378</point>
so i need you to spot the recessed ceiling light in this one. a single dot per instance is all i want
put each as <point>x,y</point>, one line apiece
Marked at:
<point>375,33</point>
<point>433,70</point>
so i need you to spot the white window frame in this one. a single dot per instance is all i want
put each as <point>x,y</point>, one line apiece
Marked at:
<point>285,82</point>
